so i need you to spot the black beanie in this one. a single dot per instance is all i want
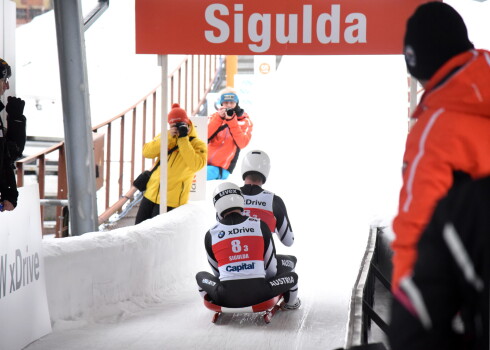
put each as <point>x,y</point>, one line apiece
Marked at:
<point>435,33</point>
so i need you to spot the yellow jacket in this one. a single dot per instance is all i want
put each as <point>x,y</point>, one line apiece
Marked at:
<point>182,164</point>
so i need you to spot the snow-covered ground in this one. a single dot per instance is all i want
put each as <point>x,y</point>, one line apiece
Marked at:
<point>335,129</point>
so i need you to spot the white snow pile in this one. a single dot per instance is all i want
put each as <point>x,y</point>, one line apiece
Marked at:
<point>109,275</point>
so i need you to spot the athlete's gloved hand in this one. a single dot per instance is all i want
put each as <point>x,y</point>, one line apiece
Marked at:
<point>15,106</point>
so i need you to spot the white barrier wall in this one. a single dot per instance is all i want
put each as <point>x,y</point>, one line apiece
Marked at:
<point>198,188</point>
<point>98,274</point>
<point>24,313</point>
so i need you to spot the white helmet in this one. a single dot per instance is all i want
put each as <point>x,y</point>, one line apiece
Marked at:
<point>256,161</point>
<point>227,196</point>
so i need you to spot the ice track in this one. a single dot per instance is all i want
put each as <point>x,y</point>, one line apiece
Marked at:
<point>335,129</point>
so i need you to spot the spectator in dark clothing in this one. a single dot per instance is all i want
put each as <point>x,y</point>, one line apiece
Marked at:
<point>12,140</point>
<point>444,304</point>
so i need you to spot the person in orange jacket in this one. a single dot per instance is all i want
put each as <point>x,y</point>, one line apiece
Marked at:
<point>229,131</point>
<point>451,137</point>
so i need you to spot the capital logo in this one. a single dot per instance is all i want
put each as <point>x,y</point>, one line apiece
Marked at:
<point>221,234</point>
<point>238,268</point>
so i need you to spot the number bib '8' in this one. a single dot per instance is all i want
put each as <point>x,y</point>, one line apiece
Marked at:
<point>239,250</point>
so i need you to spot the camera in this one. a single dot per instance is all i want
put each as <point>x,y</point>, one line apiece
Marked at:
<point>180,125</point>
<point>230,112</point>
<point>183,129</point>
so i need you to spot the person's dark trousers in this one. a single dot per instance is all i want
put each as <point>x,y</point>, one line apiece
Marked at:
<point>147,210</point>
<point>285,266</point>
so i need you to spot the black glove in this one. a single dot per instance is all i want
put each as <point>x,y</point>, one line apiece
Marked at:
<point>15,106</point>
<point>183,130</point>
<point>238,111</point>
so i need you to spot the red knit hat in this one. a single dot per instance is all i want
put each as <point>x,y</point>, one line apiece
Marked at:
<point>177,115</point>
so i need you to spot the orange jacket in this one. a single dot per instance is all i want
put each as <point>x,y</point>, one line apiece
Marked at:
<point>452,133</point>
<point>224,147</point>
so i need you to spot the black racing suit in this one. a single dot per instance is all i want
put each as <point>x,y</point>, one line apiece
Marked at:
<point>249,291</point>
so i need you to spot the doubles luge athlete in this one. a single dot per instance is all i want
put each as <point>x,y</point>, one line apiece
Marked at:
<point>263,204</point>
<point>243,259</point>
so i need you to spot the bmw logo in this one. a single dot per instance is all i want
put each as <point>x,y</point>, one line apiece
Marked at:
<point>221,234</point>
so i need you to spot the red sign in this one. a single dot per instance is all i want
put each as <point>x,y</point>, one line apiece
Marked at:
<point>255,27</point>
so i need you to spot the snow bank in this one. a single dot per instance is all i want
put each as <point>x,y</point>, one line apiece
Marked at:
<point>104,274</point>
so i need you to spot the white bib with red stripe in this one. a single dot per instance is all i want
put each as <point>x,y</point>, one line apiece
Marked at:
<point>239,250</point>
<point>260,206</point>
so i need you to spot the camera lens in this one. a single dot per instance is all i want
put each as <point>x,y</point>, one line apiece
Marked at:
<point>230,112</point>
<point>183,129</point>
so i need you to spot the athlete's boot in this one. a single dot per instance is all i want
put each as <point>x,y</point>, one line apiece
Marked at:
<point>294,306</point>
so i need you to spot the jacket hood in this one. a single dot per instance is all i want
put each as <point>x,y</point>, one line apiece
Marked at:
<point>462,85</point>
<point>192,130</point>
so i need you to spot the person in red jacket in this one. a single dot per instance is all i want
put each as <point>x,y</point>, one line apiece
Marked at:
<point>451,137</point>
<point>229,131</point>
<point>450,279</point>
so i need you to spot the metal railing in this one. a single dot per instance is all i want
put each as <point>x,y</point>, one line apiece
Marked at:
<point>362,310</point>
<point>375,274</point>
<point>121,139</point>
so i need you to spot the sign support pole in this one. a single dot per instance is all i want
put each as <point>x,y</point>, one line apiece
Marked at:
<point>163,62</point>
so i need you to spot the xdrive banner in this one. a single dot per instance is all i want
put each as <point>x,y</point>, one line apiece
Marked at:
<point>24,314</point>
<point>198,187</point>
<point>256,27</point>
